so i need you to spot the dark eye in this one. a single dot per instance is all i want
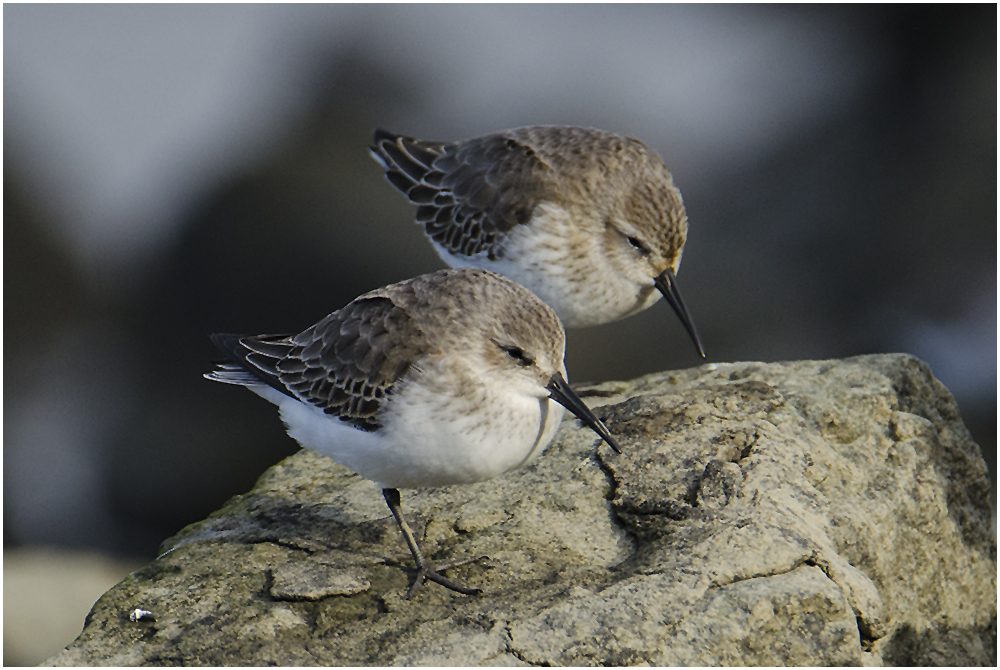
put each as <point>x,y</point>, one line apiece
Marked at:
<point>637,243</point>
<point>517,353</point>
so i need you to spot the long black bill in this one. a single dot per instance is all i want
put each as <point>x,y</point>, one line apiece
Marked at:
<point>666,283</point>
<point>560,391</point>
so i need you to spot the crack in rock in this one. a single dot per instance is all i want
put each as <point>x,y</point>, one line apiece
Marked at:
<point>799,513</point>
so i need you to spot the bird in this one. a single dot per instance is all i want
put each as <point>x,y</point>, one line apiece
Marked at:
<point>447,378</point>
<point>588,220</point>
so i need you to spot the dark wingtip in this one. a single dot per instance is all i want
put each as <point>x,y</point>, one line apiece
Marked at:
<point>239,368</point>
<point>381,134</point>
<point>227,343</point>
<point>375,148</point>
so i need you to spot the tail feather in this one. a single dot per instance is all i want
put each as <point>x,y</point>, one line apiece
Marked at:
<point>230,373</point>
<point>240,369</point>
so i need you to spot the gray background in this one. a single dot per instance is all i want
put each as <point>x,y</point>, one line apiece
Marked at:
<point>170,171</point>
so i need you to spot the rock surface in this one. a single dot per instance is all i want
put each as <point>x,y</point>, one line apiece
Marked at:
<point>47,594</point>
<point>807,513</point>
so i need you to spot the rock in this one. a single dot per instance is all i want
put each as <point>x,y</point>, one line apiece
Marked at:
<point>807,513</point>
<point>47,593</point>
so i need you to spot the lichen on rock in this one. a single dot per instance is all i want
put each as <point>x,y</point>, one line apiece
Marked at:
<point>804,513</point>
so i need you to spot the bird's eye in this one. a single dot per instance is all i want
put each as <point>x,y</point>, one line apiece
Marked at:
<point>639,246</point>
<point>517,353</point>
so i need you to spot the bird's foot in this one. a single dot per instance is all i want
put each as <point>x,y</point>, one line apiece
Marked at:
<point>425,573</point>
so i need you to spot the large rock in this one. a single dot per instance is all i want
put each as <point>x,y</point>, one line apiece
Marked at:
<point>808,513</point>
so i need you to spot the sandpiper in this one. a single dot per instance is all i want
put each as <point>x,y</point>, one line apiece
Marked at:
<point>446,378</point>
<point>588,220</point>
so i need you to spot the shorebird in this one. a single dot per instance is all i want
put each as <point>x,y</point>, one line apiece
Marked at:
<point>590,221</point>
<point>447,378</point>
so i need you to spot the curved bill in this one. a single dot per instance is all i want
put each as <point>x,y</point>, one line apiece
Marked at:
<point>666,283</point>
<point>560,391</point>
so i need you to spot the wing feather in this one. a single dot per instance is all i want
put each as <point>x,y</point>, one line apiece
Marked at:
<point>469,194</point>
<point>347,364</point>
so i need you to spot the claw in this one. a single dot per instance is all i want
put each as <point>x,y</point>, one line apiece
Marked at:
<point>424,570</point>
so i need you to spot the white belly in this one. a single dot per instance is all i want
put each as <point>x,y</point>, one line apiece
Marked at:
<point>427,438</point>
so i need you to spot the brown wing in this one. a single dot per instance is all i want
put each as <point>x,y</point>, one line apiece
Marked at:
<point>467,193</point>
<point>347,364</point>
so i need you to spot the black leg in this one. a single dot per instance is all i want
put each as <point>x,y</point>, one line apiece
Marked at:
<point>424,570</point>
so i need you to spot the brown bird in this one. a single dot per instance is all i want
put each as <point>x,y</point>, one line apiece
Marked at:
<point>589,221</point>
<point>446,378</point>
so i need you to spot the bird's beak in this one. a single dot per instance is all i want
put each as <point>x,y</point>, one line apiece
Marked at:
<point>560,391</point>
<point>666,283</point>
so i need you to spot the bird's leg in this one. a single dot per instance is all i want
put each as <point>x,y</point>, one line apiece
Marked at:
<point>424,570</point>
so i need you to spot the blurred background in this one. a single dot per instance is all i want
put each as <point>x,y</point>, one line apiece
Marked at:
<point>172,171</point>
